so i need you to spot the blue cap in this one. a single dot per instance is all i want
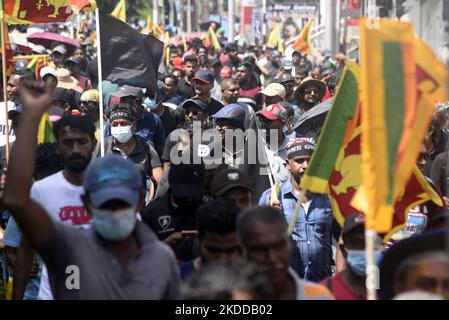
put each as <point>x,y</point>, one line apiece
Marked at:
<point>204,76</point>
<point>234,113</point>
<point>112,178</point>
<point>275,54</point>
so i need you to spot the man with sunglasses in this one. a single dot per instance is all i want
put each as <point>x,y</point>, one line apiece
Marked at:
<point>311,255</point>
<point>310,93</point>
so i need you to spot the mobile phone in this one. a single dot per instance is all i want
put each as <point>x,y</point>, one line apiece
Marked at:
<point>189,233</point>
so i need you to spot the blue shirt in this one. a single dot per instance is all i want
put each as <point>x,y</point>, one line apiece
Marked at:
<point>12,238</point>
<point>312,232</point>
<point>149,127</point>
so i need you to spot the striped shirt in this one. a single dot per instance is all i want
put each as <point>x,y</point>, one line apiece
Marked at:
<point>312,232</point>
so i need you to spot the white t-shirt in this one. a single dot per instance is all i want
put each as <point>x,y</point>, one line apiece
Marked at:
<point>62,201</point>
<point>12,136</point>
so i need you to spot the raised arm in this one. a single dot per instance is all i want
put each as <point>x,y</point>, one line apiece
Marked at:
<point>35,223</point>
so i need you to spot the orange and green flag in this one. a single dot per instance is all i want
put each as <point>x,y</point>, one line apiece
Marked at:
<point>398,102</point>
<point>335,168</point>
<point>44,11</point>
<point>120,11</point>
<point>45,131</point>
<point>303,43</point>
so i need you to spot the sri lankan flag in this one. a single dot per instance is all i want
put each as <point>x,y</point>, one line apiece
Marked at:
<point>399,89</point>
<point>120,11</point>
<point>335,168</point>
<point>303,43</point>
<point>44,11</point>
<point>7,53</point>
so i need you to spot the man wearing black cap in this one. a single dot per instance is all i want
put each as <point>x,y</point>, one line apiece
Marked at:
<point>234,185</point>
<point>288,81</point>
<point>417,263</point>
<point>174,211</point>
<point>204,83</point>
<point>148,126</point>
<point>350,284</point>
<point>124,142</point>
<point>312,235</point>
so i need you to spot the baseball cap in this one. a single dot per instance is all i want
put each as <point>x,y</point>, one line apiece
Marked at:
<point>46,71</point>
<point>60,49</point>
<point>122,111</point>
<point>233,113</point>
<point>273,112</point>
<point>275,54</point>
<point>274,89</point>
<point>352,222</point>
<point>126,91</point>
<point>204,76</point>
<point>228,179</point>
<point>287,64</point>
<point>186,180</point>
<point>113,178</point>
<point>73,60</point>
<point>286,77</point>
<point>195,102</point>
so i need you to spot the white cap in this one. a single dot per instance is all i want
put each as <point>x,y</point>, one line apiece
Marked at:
<point>39,49</point>
<point>48,70</point>
<point>61,49</point>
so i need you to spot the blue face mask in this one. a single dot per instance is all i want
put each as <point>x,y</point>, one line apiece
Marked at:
<point>357,261</point>
<point>149,104</point>
<point>114,225</point>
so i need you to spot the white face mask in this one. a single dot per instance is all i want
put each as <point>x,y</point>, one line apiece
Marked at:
<point>114,225</point>
<point>122,134</point>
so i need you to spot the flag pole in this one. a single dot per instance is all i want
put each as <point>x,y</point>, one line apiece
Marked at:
<point>100,80</point>
<point>371,268</point>
<point>4,69</point>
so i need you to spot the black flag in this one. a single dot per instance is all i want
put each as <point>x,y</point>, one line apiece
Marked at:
<point>128,57</point>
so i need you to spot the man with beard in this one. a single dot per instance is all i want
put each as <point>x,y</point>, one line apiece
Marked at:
<point>174,211</point>
<point>262,233</point>
<point>312,235</point>
<point>112,195</point>
<point>204,83</point>
<point>217,239</point>
<point>185,85</point>
<point>230,59</point>
<point>75,141</point>
<point>249,90</point>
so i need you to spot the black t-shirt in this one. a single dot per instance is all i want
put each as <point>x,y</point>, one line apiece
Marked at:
<point>185,89</point>
<point>214,106</point>
<point>168,119</point>
<point>164,219</point>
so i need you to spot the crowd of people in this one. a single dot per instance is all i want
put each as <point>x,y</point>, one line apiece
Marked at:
<point>197,186</point>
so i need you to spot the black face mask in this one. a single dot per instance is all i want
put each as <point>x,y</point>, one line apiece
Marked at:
<point>76,163</point>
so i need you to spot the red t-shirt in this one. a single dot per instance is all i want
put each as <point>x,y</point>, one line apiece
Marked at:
<point>340,290</point>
